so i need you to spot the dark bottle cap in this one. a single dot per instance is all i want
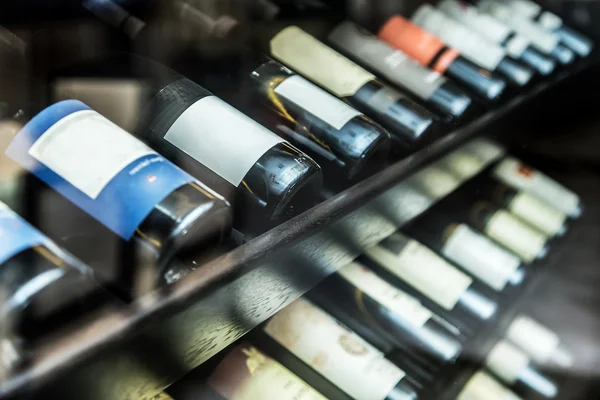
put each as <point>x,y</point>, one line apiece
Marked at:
<point>482,82</point>
<point>516,72</point>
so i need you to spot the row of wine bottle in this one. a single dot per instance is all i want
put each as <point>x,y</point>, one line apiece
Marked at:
<point>126,194</point>
<point>384,326</point>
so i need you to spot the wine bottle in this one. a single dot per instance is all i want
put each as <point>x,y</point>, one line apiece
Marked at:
<point>265,178</point>
<point>410,124</point>
<point>574,40</point>
<point>42,287</point>
<point>481,386</point>
<point>515,369</point>
<point>384,308</point>
<point>242,372</point>
<point>462,164</point>
<point>523,177</point>
<point>487,151</point>
<point>472,45</point>
<point>121,189</point>
<point>515,44</point>
<point>468,249</point>
<point>544,41</point>
<point>439,93</point>
<point>537,213</point>
<point>509,231</point>
<point>539,342</point>
<point>429,51</point>
<point>343,358</point>
<point>348,145</point>
<point>403,261</point>
<point>435,182</point>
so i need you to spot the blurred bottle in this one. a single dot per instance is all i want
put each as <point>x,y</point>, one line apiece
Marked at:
<point>430,51</point>
<point>515,44</point>
<point>439,93</point>
<point>481,386</point>
<point>477,48</point>
<point>574,40</point>
<point>242,372</point>
<point>544,41</point>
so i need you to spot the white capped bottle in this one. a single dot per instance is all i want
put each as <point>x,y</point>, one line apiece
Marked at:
<point>523,177</point>
<point>338,354</point>
<point>400,259</point>
<point>482,386</point>
<point>472,45</point>
<point>541,343</point>
<point>576,41</point>
<point>515,44</point>
<point>536,212</point>
<point>513,367</point>
<point>509,231</point>
<point>544,41</point>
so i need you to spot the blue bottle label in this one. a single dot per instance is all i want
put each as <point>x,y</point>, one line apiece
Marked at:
<point>96,165</point>
<point>16,234</point>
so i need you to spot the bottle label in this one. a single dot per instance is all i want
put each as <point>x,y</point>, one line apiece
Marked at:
<point>483,386</point>
<point>507,362</point>
<point>462,164</point>
<point>388,61</point>
<point>526,8</point>
<point>403,305</point>
<point>485,24</point>
<point>481,257</point>
<point>522,177</point>
<point>316,101</point>
<point>16,234</point>
<point>540,38</point>
<point>516,236</point>
<point>419,44</point>
<point>539,341</point>
<point>96,165</point>
<point>538,213</point>
<point>472,45</point>
<point>517,45</point>
<point>247,374</point>
<point>221,138</point>
<point>337,353</point>
<point>435,182</point>
<point>425,271</point>
<point>484,149</point>
<point>550,21</point>
<point>318,62</point>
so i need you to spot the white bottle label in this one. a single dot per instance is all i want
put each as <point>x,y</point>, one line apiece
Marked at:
<point>405,306</point>
<point>522,177</point>
<point>88,162</point>
<point>512,233</point>
<point>507,361</point>
<point>341,356</point>
<point>485,24</point>
<point>483,387</point>
<point>425,271</point>
<point>538,213</point>
<point>543,40</point>
<point>318,62</point>
<point>386,60</point>
<point>462,164</point>
<point>435,182</point>
<point>316,101</point>
<point>550,21</point>
<point>221,138</point>
<point>484,149</point>
<point>481,257</point>
<point>539,341</point>
<point>526,8</point>
<point>471,44</point>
